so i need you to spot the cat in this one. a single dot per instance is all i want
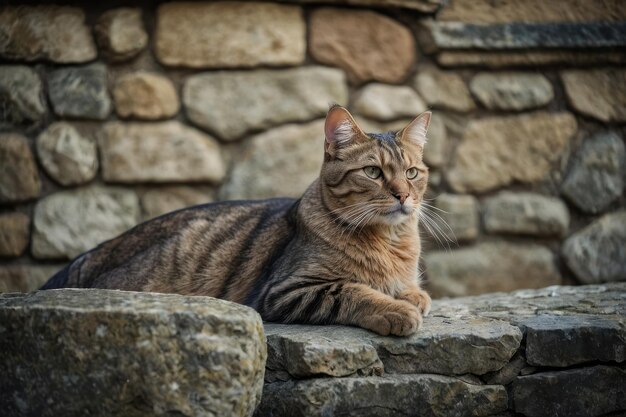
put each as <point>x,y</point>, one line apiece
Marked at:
<point>346,252</point>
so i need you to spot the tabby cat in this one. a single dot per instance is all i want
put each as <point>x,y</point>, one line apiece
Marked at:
<point>346,252</point>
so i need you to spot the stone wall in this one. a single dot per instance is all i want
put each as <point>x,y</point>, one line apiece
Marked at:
<point>111,117</point>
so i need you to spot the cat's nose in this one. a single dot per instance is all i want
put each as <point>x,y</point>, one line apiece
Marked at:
<point>401,196</point>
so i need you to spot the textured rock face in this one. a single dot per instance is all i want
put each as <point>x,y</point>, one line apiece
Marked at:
<point>444,90</point>
<point>436,149</point>
<point>596,253</point>
<point>145,95</point>
<point>385,102</point>
<point>21,97</point>
<point>80,92</point>
<point>120,33</point>
<point>367,45</point>
<point>175,355</point>
<point>460,213</point>
<point>512,91</point>
<point>499,150</point>
<point>14,228</point>
<point>161,200</point>
<point>67,156</point>
<point>525,213</point>
<point>600,93</point>
<point>527,58</point>
<point>158,152</point>
<point>231,104</point>
<point>214,35</point>
<point>19,180</point>
<point>68,223</point>
<point>53,33</point>
<point>596,176</point>
<point>25,278</point>
<point>290,158</point>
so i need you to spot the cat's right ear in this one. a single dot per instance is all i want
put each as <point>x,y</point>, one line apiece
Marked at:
<point>340,129</point>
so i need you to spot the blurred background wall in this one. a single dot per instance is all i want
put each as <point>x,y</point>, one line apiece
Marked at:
<point>116,112</point>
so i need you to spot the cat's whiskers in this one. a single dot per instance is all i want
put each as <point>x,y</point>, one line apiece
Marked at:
<point>431,221</point>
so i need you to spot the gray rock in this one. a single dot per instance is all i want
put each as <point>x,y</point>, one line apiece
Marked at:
<point>387,102</point>
<point>512,90</point>
<point>80,92</point>
<point>596,253</point>
<point>599,93</point>
<point>410,395</point>
<point>138,353</point>
<point>21,97</point>
<point>19,180</point>
<point>457,216</point>
<point>156,201</point>
<point>67,156</point>
<point>233,103</point>
<point>508,372</point>
<point>25,278</point>
<point>68,223</point>
<point>525,213</point>
<point>14,234</point>
<point>120,33</point>
<point>581,392</point>
<point>596,175</point>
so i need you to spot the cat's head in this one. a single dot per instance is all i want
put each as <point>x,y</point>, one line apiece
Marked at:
<point>373,178</point>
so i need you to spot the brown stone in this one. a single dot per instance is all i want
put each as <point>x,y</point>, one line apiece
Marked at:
<point>223,34</point>
<point>367,45</point>
<point>599,93</point>
<point>496,151</point>
<point>120,33</point>
<point>14,230</point>
<point>443,89</point>
<point>161,200</point>
<point>54,33</point>
<point>388,102</point>
<point>457,216</point>
<point>527,58</point>
<point>19,180</point>
<point>145,95</point>
<point>25,278</point>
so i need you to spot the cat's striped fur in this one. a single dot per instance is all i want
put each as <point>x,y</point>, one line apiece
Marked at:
<point>346,252</point>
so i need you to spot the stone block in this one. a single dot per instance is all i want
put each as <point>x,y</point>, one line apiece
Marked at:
<point>120,33</point>
<point>457,216</point>
<point>386,102</point>
<point>80,92</point>
<point>14,234</point>
<point>599,93</point>
<point>512,90</point>
<point>21,97</point>
<point>156,201</point>
<point>443,89</point>
<point>145,95</point>
<point>19,179</point>
<point>25,278</point>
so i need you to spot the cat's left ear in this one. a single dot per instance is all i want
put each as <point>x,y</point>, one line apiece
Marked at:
<point>415,131</point>
<point>340,129</point>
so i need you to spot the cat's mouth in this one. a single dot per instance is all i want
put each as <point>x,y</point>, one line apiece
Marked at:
<point>399,210</point>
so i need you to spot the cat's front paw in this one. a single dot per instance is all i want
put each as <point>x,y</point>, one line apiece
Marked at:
<point>401,320</point>
<point>419,298</point>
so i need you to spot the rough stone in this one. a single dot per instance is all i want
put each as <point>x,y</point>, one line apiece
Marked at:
<point>67,156</point>
<point>496,151</point>
<point>145,95</point>
<point>531,58</point>
<point>139,353</point>
<point>508,372</point>
<point>289,158</point>
<point>585,392</point>
<point>54,33</point>
<point>14,234</point>
<point>525,213</point>
<point>426,395</point>
<point>599,93</point>
<point>158,201</point>
<point>120,33</point>
<point>21,97</point>
<point>596,175</point>
<point>443,89</point>
<point>512,91</point>
<point>436,152</point>
<point>158,152</point>
<point>490,266</point>
<point>231,104</point>
<point>19,180</point>
<point>426,6</point>
<point>596,253</point>
<point>367,45</point>
<point>222,34</point>
<point>460,213</point>
<point>80,92</point>
<point>25,278</point>
<point>68,223</point>
<point>386,102</point>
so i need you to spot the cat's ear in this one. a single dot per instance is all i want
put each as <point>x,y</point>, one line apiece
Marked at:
<point>340,129</point>
<point>415,131</point>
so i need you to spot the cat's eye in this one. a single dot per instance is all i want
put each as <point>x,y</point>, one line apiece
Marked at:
<point>411,173</point>
<point>372,172</point>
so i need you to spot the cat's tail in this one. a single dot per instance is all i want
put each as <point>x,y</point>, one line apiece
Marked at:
<point>58,280</point>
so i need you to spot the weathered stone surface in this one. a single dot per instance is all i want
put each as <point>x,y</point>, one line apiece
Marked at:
<point>386,102</point>
<point>67,156</point>
<point>25,278</point>
<point>140,353</point>
<point>496,151</point>
<point>367,45</point>
<point>460,213</point>
<point>436,151</point>
<point>54,33</point>
<point>14,234</point>
<point>21,97</point>
<point>596,175</point>
<point>289,158</point>
<point>68,223</point>
<point>145,95</point>
<point>508,372</point>
<point>19,180</point>
<point>589,392</point>
<point>512,90</point>
<point>427,6</point>
<point>442,89</point>
<point>157,201</point>
<point>120,33</point>
<point>158,152</point>
<point>426,395</point>
<point>596,253</point>
<point>222,34</point>
<point>525,213</point>
<point>231,104</point>
<point>490,266</point>
<point>599,93</point>
<point>532,58</point>
<point>80,92</point>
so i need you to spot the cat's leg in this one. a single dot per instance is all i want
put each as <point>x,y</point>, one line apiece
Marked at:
<point>418,297</point>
